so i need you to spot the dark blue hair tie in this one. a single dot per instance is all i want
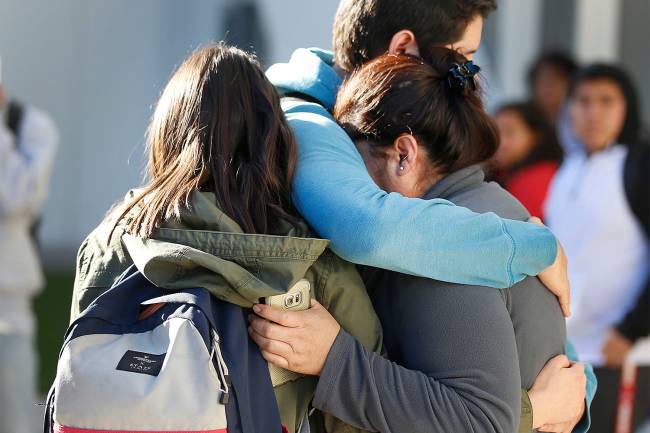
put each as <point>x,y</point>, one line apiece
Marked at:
<point>460,77</point>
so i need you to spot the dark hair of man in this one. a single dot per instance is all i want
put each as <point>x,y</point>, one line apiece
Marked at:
<point>363,28</point>
<point>398,94</point>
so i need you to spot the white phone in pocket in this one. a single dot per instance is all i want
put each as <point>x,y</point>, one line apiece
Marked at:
<point>297,298</point>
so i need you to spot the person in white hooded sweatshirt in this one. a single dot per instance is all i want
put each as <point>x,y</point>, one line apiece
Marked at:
<point>591,211</point>
<point>28,140</point>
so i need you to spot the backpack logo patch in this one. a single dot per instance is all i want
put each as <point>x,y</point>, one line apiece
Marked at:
<point>140,362</point>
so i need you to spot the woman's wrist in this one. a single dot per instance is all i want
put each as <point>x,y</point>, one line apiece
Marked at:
<point>538,408</point>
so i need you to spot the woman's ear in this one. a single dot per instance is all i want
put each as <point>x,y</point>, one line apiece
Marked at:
<point>405,148</point>
<point>403,42</point>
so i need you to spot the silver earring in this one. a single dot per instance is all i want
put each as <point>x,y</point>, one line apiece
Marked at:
<point>401,167</point>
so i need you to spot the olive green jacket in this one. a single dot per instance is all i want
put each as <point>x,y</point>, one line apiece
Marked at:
<point>208,249</point>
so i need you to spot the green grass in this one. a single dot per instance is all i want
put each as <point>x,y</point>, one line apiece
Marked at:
<point>52,309</point>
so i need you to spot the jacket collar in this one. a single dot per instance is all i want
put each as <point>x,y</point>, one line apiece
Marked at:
<point>456,182</point>
<point>207,249</point>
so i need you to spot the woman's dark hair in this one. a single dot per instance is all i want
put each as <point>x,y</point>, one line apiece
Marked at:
<point>397,94</point>
<point>547,147</point>
<point>558,60</point>
<point>633,132</point>
<point>217,127</point>
<point>363,28</point>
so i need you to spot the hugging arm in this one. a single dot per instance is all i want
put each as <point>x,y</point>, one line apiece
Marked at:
<point>304,342</point>
<point>467,381</point>
<point>366,225</point>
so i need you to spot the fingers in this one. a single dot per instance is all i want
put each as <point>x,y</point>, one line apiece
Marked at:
<point>275,360</point>
<point>554,428</point>
<point>565,294</point>
<point>290,319</point>
<point>275,347</point>
<point>550,428</point>
<point>557,428</point>
<point>556,279</point>
<point>269,330</point>
<point>565,304</point>
<point>315,305</point>
<point>578,366</point>
<point>284,318</point>
<point>560,361</point>
<point>562,290</point>
<point>579,369</point>
<point>535,220</point>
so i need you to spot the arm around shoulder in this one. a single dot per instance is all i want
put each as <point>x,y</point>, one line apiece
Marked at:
<point>368,226</point>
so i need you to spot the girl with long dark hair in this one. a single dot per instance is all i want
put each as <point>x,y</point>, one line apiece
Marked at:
<point>216,212</point>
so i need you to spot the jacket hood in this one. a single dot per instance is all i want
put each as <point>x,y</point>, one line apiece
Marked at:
<point>206,248</point>
<point>310,71</point>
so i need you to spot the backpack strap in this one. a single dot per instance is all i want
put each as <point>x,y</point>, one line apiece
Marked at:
<point>252,400</point>
<point>48,415</point>
<point>14,117</point>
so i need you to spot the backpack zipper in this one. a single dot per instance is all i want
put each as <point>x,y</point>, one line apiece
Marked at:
<point>222,368</point>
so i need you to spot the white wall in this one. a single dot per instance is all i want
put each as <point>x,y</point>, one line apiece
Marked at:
<point>97,67</point>
<point>517,44</point>
<point>292,24</point>
<point>597,30</point>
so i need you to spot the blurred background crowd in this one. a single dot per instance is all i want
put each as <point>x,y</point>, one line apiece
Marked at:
<point>567,83</point>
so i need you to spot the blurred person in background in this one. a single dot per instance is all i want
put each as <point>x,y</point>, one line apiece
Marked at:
<point>549,79</point>
<point>636,323</point>
<point>28,139</point>
<point>598,208</point>
<point>528,154</point>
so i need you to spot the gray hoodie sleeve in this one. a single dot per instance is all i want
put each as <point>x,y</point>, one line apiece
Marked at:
<point>460,369</point>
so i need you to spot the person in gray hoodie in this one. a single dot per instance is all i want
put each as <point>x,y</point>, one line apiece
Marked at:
<point>460,353</point>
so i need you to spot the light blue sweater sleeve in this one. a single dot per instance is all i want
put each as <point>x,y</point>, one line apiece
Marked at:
<point>428,238</point>
<point>592,385</point>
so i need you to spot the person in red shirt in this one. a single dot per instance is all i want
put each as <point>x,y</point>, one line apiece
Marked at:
<point>528,154</point>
